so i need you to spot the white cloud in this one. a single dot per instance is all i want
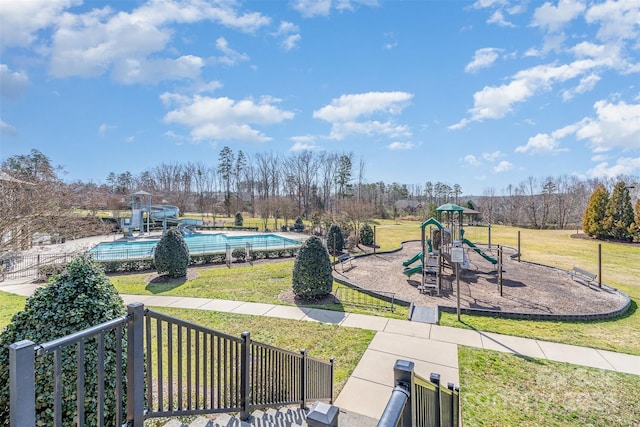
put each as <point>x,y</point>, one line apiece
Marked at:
<point>229,56</point>
<point>301,146</point>
<point>102,40</point>
<point>618,19</point>
<point>345,114</point>
<point>586,85</point>
<point>553,18</point>
<point>290,34</point>
<point>397,145</point>
<point>542,143</point>
<point>223,118</point>
<point>7,129</point>
<point>483,58</point>
<point>144,70</point>
<point>103,128</point>
<point>495,102</point>
<point>12,83</point>
<point>503,166</point>
<point>616,126</point>
<point>472,160</point>
<point>623,166</point>
<point>492,157</point>
<point>311,8</point>
<point>21,20</point>
<point>498,18</point>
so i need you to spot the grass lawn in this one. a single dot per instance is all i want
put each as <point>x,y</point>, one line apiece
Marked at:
<point>259,283</point>
<point>9,306</point>
<point>499,389</point>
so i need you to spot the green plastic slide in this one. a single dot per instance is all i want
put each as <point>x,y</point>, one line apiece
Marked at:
<point>489,258</point>
<point>411,271</point>
<point>415,258</point>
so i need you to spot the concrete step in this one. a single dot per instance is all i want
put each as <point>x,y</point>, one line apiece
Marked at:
<point>284,417</point>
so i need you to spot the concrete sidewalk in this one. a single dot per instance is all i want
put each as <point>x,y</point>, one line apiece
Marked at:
<point>432,348</point>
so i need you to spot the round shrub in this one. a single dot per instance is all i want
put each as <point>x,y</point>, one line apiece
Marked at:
<point>239,253</point>
<point>238,220</point>
<point>312,276</point>
<point>366,234</point>
<point>78,298</point>
<point>171,256</point>
<point>298,225</point>
<point>335,240</point>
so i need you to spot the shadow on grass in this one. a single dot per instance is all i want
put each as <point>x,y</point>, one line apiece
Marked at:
<point>164,283</point>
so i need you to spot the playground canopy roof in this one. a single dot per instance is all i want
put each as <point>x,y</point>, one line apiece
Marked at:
<point>450,207</point>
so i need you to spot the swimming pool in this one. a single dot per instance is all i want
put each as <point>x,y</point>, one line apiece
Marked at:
<point>197,243</point>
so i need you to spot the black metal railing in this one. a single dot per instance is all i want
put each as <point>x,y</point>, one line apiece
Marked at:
<point>378,300</point>
<point>416,402</point>
<point>173,368</point>
<point>15,265</point>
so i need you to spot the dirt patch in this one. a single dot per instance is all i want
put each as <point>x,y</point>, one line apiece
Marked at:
<point>527,288</point>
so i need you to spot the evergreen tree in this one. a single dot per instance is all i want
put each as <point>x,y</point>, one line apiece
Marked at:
<point>238,220</point>
<point>312,276</point>
<point>366,234</point>
<point>335,240</point>
<point>619,214</point>
<point>593,219</point>
<point>171,256</point>
<point>636,220</point>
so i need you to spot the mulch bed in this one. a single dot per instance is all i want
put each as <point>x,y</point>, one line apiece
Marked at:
<point>527,288</point>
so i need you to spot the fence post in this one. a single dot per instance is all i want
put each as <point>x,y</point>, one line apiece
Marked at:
<point>403,376</point>
<point>435,379</point>
<point>135,364</point>
<point>245,375</point>
<point>451,388</point>
<point>331,381</point>
<point>22,400</point>
<point>303,379</point>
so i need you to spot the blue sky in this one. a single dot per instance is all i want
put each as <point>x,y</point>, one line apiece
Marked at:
<point>483,94</point>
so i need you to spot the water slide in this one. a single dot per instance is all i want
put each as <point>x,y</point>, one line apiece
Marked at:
<point>489,258</point>
<point>164,211</point>
<point>415,258</point>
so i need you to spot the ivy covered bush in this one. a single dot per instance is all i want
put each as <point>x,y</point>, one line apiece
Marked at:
<point>238,220</point>
<point>366,234</point>
<point>335,240</point>
<point>171,256</point>
<point>312,276</point>
<point>78,298</point>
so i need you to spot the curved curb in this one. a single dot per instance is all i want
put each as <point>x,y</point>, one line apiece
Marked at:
<point>578,317</point>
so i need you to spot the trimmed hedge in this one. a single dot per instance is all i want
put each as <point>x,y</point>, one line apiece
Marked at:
<point>171,255</point>
<point>366,234</point>
<point>335,240</point>
<point>312,275</point>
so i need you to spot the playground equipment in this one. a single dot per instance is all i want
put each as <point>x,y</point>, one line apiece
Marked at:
<point>442,242</point>
<point>142,209</point>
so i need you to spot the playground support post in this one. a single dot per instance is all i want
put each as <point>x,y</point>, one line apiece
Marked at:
<point>600,265</point>
<point>489,236</point>
<point>374,240</point>
<point>500,269</point>
<point>458,290</point>
<point>518,245</point>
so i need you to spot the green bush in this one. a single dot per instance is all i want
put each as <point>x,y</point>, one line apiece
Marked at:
<point>239,253</point>
<point>298,225</point>
<point>335,240</point>
<point>312,276</point>
<point>366,234</point>
<point>50,270</point>
<point>171,256</point>
<point>238,220</point>
<point>78,298</point>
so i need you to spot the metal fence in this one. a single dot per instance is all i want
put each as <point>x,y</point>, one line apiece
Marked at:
<point>14,265</point>
<point>173,368</point>
<point>416,402</point>
<point>379,300</point>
